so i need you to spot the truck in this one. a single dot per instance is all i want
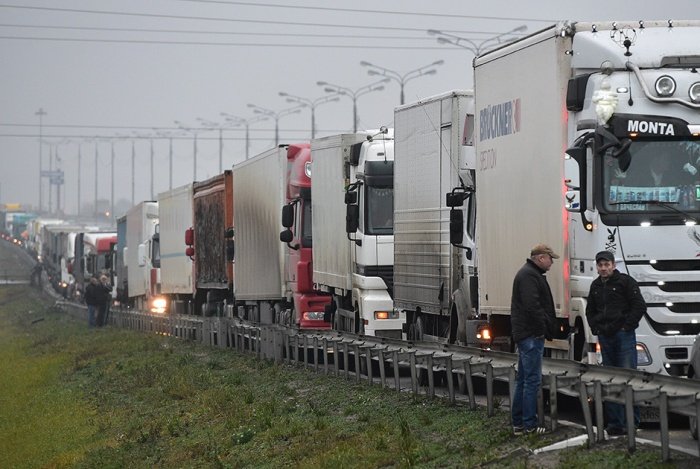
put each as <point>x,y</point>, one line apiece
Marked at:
<point>210,245</point>
<point>142,257</point>
<point>120,277</point>
<point>260,288</point>
<point>175,218</point>
<point>561,146</point>
<point>308,311</point>
<point>94,255</point>
<point>352,202</point>
<point>434,280</point>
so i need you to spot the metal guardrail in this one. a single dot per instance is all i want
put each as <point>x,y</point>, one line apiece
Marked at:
<point>355,356</point>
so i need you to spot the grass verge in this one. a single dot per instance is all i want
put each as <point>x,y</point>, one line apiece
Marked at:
<point>73,397</point>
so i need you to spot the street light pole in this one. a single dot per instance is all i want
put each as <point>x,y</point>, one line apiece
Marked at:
<point>194,133</point>
<point>236,121</point>
<point>311,104</point>
<point>41,113</point>
<point>80,158</point>
<point>331,88</point>
<point>402,78</point>
<point>477,47</point>
<point>96,158</point>
<point>276,116</point>
<point>111,187</point>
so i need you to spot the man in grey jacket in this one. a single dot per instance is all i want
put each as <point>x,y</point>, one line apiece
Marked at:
<point>532,319</point>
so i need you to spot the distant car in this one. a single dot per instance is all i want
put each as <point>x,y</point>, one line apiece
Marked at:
<point>694,373</point>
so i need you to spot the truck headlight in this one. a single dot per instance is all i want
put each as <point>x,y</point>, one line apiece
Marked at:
<point>159,305</point>
<point>313,316</point>
<point>643,356</point>
<point>665,85</point>
<point>694,92</point>
<point>386,315</point>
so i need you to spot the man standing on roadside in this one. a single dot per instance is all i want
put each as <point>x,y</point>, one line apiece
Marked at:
<point>532,320</point>
<point>615,306</point>
<point>105,300</point>
<point>93,297</point>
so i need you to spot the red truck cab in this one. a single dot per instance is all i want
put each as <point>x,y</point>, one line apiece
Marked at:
<point>309,304</point>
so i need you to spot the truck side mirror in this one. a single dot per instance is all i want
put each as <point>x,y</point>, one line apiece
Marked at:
<point>577,195</point>
<point>350,197</point>
<point>352,218</point>
<point>288,216</point>
<point>454,199</point>
<point>456,227</point>
<point>230,250</point>
<point>286,236</point>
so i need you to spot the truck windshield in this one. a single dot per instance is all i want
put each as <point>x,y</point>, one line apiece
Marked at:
<point>380,210</point>
<point>661,173</point>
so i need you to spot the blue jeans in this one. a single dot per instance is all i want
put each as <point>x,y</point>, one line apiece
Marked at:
<point>619,350</point>
<point>527,384</point>
<point>92,310</point>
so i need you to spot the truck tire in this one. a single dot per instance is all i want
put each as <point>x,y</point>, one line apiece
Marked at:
<point>359,323</point>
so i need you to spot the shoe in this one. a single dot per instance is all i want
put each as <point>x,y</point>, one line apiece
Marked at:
<point>517,431</point>
<point>535,431</point>
<point>616,431</point>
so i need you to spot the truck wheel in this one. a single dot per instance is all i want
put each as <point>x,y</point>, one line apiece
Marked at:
<point>693,427</point>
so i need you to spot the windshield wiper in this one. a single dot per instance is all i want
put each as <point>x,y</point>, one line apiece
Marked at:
<point>660,203</point>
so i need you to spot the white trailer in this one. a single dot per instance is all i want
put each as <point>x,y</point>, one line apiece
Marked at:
<point>259,285</point>
<point>142,254</point>
<point>434,153</point>
<point>175,217</point>
<point>618,95</point>
<point>353,180</point>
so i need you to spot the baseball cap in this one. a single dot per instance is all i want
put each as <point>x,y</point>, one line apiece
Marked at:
<point>543,249</point>
<point>604,255</point>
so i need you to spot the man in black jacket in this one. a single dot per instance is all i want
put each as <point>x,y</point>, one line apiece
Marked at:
<point>615,306</point>
<point>532,319</point>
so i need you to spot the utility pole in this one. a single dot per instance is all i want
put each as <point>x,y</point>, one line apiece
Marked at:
<point>41,113</point>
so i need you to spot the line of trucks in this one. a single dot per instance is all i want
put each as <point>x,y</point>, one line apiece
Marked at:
<point>416,232</point>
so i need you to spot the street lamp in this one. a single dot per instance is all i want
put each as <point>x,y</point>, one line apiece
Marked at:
<point>276,116</point>
<point>311,104</point>
<point>474,46</point>
<point>150,138</point>
<point>41,113</point>
<point>402,78</point>
<point>331,88</point>
<point>194,132</point>
<point>235,120</point>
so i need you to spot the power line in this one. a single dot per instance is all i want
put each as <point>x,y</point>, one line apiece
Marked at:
<point>365,11</point>
<point>136,127</point>
<point>246,44</point>
<point>208,18</point>
<point>235,33</point>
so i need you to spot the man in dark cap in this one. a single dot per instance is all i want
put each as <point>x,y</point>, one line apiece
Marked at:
<point>532,319</point>
<point>615,306</point>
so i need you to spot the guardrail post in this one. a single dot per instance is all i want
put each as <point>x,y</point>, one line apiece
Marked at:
<point>336,358</point>
<point>583,397</point>
<point>431,377</point>
<point>356,352</point>
<point>450,383</point>
<point>470,384</point>
<point>316,353</point>
<point>414,377</point>
<point>395,366</point>
<point>663,417</point>
<point>324,344</point>
<point>489,391</point>
<point>368,356</point>
<point>629,414</point>
<point>553,408</point>
<point>382,371</point>
<point>599,417</point>
<point>346,360</point>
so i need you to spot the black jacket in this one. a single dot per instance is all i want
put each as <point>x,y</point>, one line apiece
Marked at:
<point>97,294</point>
<point>614,304</point>
<point>531,306</point>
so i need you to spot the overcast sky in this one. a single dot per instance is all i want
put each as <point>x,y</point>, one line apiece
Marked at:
<point>113,72</point>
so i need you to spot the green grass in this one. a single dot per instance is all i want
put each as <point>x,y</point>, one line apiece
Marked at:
<point>73,397</point>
